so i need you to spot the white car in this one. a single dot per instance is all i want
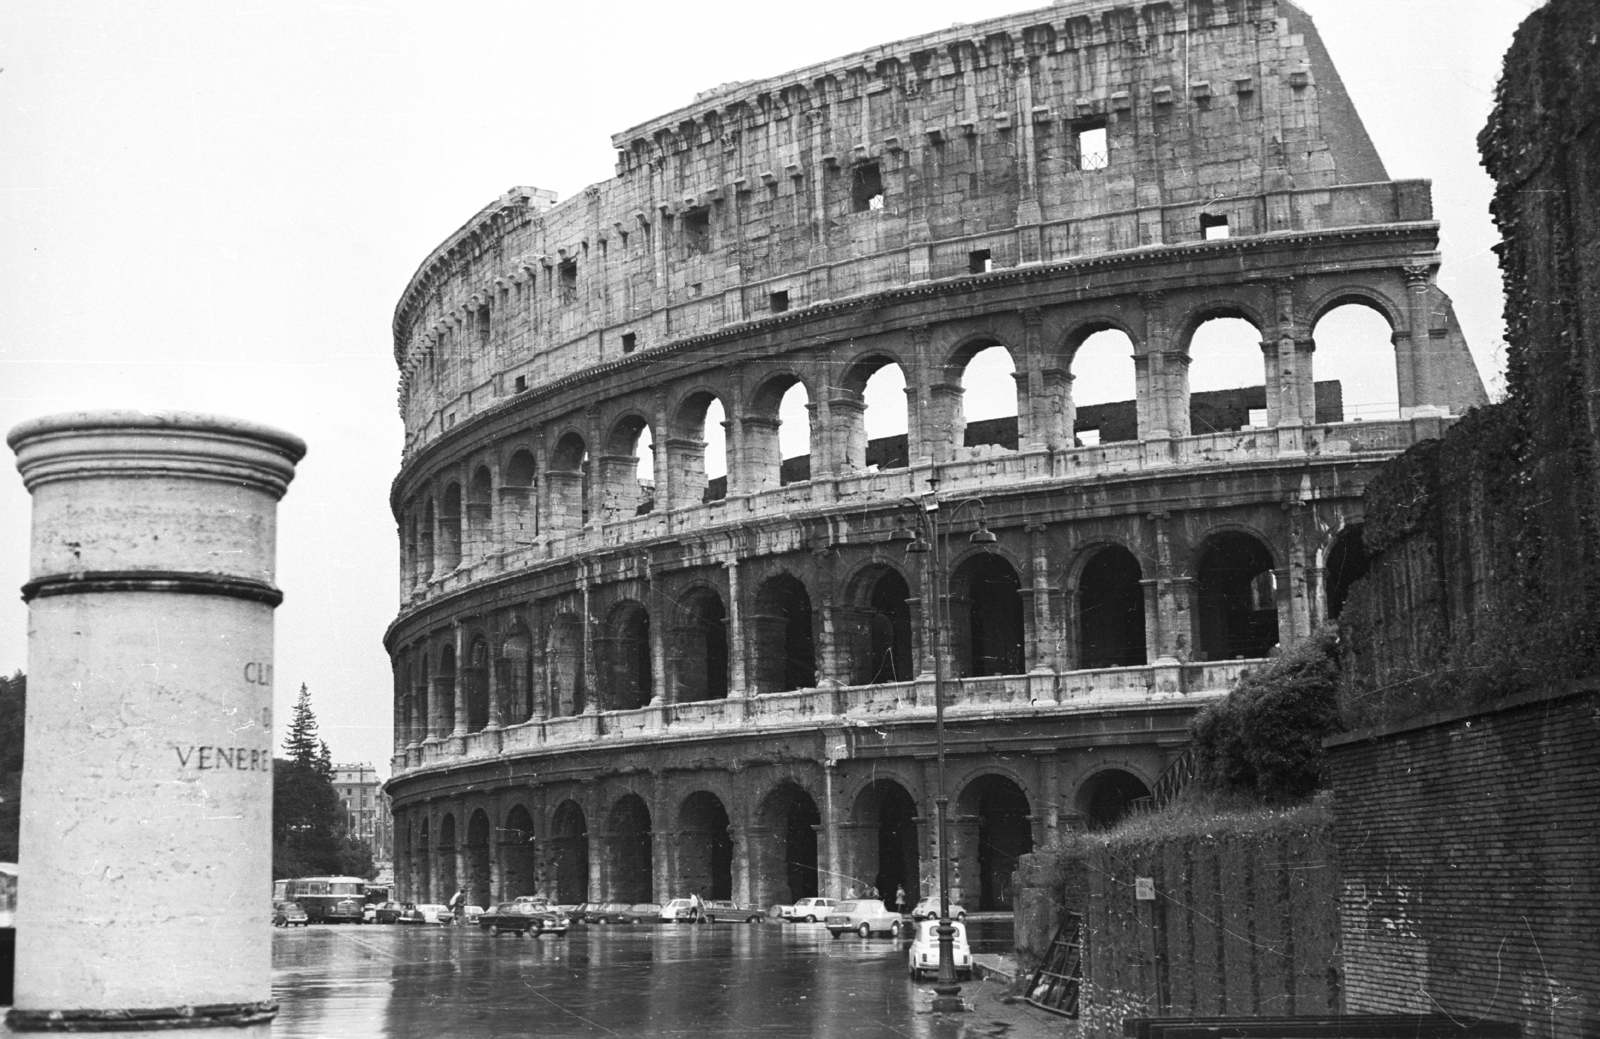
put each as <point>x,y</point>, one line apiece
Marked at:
<point>864,916</point>
<point>809,910</point>
<point>678,909</point>
<point>928,909</point>
<point>923,957</point>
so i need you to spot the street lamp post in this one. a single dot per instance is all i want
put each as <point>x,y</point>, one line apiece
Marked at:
<point>929,538</point>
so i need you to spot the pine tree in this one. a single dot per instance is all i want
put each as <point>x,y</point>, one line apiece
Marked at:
<point>324,760</point>
<point>301,741</point>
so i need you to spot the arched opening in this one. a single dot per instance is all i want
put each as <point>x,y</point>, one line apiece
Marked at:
<point>697,451</point>
<point>476,883</point>
<point>705,847</point>
<point>480,513</point>
<point>786,656</point>
<point>777,434</point>
<point>627,471</point>
<point>1105,388</point>
<point>519,861</point>
<point>886,846</point>
<point>1347,563</point>
<point>626,658</point>
<point>477,682</point>
<point>1355,360</point>
<point>564,664</point>
<point>449,883</point>
<point>700,650</point>
<point>450,527</point>
<point>1227,376</point>
<point>516,673</point>
<point>871,419</point>
<point>519,504</point>
<point>783,853</point>
<point>997,830</point>
<point>1108,796</point>
<point>882,635</point>
<point>428,563</point>
<point>1111,610</point>
<point>444,689</point>
<point>422,866</point>
<point>628,850</point>
<point>568,864</point>
<point>1238,598</point>
<point>567,484</point>
<point>985,621</point>
<point>989,398</point>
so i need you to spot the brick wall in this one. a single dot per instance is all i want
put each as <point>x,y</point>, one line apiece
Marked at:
<point>1243,923</point>
<point>1470,855</point>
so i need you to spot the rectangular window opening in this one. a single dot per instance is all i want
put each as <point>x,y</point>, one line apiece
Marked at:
<point>696,224</point>
<point>1094,152</point>
<point>779,301</point>
<point>629,341</point>
<point>866,188</point>
<point>980,261</point>
<point>567,277</point>
<point>483,324</point>
<point>522,383</point>
<point>1212,226</point>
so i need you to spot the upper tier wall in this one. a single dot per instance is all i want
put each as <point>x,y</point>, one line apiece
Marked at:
<point>761,195</point>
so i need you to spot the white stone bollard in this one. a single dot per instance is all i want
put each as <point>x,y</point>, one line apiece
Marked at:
<point>146,846</point>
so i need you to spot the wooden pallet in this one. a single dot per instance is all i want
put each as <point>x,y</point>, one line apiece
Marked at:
<point>1055,983</point>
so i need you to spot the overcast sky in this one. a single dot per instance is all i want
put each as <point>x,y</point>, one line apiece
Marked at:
<point>214,206</point>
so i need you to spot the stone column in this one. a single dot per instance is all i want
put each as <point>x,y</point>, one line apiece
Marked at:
<point>1046,626</point>
<point>147,839</point>
<point>738,683</point>
<point>458,633</point>
<point>1415,375</point>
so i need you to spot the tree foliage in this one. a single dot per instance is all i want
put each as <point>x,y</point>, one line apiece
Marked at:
<point>13,708</point>
<point>308,820</point>
<point>1265,739</point>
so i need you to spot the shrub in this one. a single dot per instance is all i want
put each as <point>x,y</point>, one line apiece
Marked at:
<point>1265,738</point>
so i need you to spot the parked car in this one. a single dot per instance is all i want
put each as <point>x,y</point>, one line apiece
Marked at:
<point>521,917</point>
<point>923,956</point>
<point>678,910</point>
<point>605,913</point>
<point>369,913</point>
<point>865,916</point>
<point>809,910</point>
<point>928,909</point>
<point>471,913</point>
<point>424,913</point>
<point>725,909</point>
<point>289,914</point>
<point>387,913</point>
<point>644,913</point>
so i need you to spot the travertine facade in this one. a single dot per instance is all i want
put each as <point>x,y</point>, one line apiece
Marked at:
<point>611,687</point>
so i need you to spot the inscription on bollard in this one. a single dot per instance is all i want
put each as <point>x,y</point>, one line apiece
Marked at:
<point>214,758</point>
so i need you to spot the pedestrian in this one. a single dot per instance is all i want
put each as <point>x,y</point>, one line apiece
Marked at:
<point>697,909</point>
<point>458,904</point>
<point>900,898</point>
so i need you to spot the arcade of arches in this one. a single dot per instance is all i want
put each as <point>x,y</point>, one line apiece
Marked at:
<point>767,835</point>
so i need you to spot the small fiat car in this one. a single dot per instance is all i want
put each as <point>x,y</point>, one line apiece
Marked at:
<point>288,914</point>
<point>864,916</point>
<point>809,910</point>
<point>928,909</point>
<point>923,956</point>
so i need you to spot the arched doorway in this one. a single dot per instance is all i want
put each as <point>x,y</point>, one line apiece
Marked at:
<point>1347,563</point>
<point>476,882</point>
<point>519,860</point>
<point>629,848</point>
<point>1238,598</point>
<point>786,655</point>
<point>705,848</point>
<point>882,637</point>
<point>1108,796</point>
<point>1111,610</point>
<point>700,651</point>
<point>986,618</point>
<point>886,845</point>
<point>626,657</point>
<point>784,846</point>
<point>568,863</point>
<point>997,830</point>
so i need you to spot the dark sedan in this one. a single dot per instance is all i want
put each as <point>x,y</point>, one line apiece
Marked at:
<point>388,913</point>
<point>604,912</point>
<point>522,918</point>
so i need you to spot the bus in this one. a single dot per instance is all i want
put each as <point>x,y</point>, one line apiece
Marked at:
<point>326,900</point>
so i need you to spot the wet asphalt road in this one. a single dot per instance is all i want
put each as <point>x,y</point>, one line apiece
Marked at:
<point>767,980</point>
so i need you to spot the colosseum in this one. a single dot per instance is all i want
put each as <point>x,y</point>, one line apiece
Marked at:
<point>668,442</point>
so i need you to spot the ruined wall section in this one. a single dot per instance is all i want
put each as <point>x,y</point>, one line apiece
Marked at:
<point>760,196</point>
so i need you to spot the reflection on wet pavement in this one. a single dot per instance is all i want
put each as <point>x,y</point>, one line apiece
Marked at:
<point>727,980</point>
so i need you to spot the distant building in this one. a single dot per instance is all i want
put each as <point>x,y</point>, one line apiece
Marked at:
<point>366,809</point>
